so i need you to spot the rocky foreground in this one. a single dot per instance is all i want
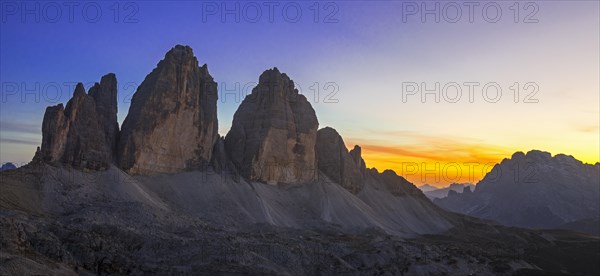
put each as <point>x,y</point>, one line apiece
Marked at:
<point>63,221</point>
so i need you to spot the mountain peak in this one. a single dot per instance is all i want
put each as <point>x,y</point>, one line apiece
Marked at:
<point>427,188</point>
<point>179,55</point>
<point>76,135</point>
<point>273,133</point>
<point>272,80</point>
<point>172,122</point>
<point>7,166</point>
<point>538,154</point>
<point>180,50</point>
<point>518,155</point>
<point>550,191</point>
<point>79,90</point>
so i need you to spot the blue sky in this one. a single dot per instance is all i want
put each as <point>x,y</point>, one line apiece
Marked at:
<point>365,48</point>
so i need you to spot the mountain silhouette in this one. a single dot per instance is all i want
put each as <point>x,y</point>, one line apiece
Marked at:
<point>164,194</point>
<point>534,190</point>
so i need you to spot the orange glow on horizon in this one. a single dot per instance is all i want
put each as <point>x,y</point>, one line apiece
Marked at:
<point>437,163</point>
<point>436,169</point>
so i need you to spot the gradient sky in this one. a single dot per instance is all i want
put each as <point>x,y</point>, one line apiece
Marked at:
<point>368,54</point>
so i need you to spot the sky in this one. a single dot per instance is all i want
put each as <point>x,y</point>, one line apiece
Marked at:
<point>385,74</point>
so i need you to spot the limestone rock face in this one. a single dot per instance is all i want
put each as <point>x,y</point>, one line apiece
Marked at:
<point>274,132</point>
<point>76,135</point>
<point>337,163</point>
<point>172,122</point>
<point>55,128</point>
<point>105,96</point>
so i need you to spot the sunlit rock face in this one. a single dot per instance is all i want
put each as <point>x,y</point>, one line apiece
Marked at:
<point>172,122</point>
<point>274,132</point>
<point>84,134</point>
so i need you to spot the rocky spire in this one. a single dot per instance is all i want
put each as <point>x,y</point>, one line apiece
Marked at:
<point>337,163</point>
<point>76,135</point>
<point>105,95</point>
<point>273,134</point>
<point>172,121</point>
<point>356,154</point>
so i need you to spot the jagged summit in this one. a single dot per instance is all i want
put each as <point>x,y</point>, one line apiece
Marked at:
<point>83,134</point>
<point>180,52</point>
<point>79,90</point>
<point>356,154</point>
<point>274,76</point>
<point>172,121</point>
<point>183,54</point>
<point>538,155</point>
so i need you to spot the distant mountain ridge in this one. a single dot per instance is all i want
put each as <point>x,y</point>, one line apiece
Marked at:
<point>432,192</point>
<point>535,190</point>
<point>427,188</point>
<point>7,166</point>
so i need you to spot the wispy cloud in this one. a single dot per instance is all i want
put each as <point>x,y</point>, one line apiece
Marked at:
<point>428,151</point>
<point>588,128</point>
<point>431,148</point>
<point>20,127</point>
<point>17,141</point>
<point>437,153</point>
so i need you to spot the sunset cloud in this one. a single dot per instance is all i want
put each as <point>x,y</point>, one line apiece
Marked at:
<point>428,159</point>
